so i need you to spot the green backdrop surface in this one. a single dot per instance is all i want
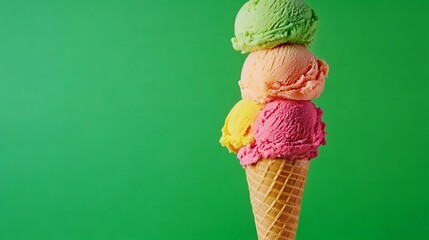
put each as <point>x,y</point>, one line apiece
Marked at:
<point>110,115</point>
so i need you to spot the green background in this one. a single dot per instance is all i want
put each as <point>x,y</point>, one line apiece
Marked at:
<point>110,115</point>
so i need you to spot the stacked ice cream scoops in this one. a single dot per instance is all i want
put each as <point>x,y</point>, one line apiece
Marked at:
<point>276,129</point>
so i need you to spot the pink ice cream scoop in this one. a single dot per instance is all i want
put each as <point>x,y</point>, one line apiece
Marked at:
<point>285,129</point>
<point>288,71</point>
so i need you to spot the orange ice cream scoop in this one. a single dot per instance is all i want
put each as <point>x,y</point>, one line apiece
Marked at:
<point>288,71</point>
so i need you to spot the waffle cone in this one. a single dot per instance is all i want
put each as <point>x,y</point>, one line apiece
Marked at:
<point>276,188</point>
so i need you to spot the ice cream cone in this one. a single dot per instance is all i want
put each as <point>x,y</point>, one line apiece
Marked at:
<point>276,188</point>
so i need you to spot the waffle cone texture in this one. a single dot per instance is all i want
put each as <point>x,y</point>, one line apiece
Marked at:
<point>276,188</point>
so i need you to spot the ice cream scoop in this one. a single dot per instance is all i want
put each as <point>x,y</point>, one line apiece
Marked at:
<point>285,129</point>
<point>237,131</point>
<point>264,24</point>
<point>288,71</point>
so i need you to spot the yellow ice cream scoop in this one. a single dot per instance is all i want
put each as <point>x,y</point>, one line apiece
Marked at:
<point>237,131</point>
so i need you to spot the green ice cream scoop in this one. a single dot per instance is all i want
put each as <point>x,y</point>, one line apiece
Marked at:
<point>264,24</point>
